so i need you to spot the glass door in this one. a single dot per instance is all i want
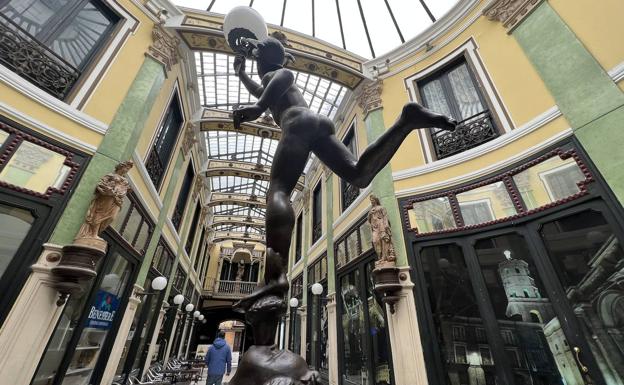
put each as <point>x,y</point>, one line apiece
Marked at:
<point>583,256</point>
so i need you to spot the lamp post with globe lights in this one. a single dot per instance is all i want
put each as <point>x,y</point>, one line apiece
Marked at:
<point>317,290</point>
<point>294,303</point>
<point>194,320</point>
<point>187,322</point>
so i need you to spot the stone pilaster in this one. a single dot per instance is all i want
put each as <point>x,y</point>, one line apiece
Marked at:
<point>154,340</point>
<point>183,337</point>
<point>31,322</point>
<point>407,353</point>
<point>122,336</point>
<point>332,339</point>
<point>171,336</point>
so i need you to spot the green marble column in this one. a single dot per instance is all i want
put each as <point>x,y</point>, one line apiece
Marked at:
<point>383,187</point>
<point>586,95</point>
<point>119,142</point>
<point>329,232</point>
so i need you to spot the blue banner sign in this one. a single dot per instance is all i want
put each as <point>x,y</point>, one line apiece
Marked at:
<point>102,312</point>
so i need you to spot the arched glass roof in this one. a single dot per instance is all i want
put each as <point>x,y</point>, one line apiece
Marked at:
<point>367,28</point>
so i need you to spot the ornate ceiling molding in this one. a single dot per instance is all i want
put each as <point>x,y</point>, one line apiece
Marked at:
<point>221,236</point>
<point>219,120</point>
<point>164,48</point>
<point>237,199</point>
<point>242,169</point>
<point>510,12</point>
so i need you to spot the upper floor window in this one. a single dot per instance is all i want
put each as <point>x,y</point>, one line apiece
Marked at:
<point>163,258</point>
<point>134,224</point>
<point>298,236</point>
<point>348,192</point>
<point>317,213</point>
<point>167,134</point>
<point>193,229</point>
<point>454,91</point>
<point>178,210</point>
<point>51,42</point>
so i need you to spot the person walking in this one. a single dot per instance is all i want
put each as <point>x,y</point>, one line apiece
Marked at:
<point>218,359</point>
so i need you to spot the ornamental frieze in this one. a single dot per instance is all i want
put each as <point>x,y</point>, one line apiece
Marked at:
<point>510,12</point>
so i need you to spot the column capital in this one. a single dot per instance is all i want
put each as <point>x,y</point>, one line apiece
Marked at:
<point>510,12</point>
<point>369,96</point>
<point>164,47</point>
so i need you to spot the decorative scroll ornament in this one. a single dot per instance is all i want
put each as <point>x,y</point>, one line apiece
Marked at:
<point>164,48</point>
<point>105,205</point>
<point>510,12</point>
<point>382,233</point>
<point>369,98</point>
<point>189,139</point>
<point>198,186</point>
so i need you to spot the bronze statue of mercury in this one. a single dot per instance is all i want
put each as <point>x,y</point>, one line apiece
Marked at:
<point>305,132</point>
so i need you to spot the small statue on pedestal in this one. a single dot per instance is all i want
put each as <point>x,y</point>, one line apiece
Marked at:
<point>105,205</point>
<point>382,234</point>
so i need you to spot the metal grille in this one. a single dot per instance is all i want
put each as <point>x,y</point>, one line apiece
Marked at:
<point>470,133</point>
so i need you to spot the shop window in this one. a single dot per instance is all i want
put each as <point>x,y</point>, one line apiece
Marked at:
<point>317,213</point>
<point>454,92</point>
<point>298,238</point>
<point>178,210</point>
<point>432,215</point>
<point>549,181</point>
<point>296,287</point>
<point>164,144</point>
<point>355,243</point>
<point>348,192</point>
<point>15,225</point>
<point>56,38</point>
<point>486,356</point>
<point>163,258</point>
<point>134,224</point>
<point>486,203</point>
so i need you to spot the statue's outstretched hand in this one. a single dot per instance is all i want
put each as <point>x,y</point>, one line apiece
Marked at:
<point>239,65</point>
<point>246,114</point>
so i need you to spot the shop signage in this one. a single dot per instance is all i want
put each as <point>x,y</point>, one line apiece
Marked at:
<point>102,312</point>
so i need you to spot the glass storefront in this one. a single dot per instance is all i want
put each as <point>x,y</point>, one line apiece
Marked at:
<point>533,301</point>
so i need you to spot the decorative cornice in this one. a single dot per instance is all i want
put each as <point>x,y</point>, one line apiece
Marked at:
<point>164,48</point>
<point>369,97</point>
<point>510,12</point>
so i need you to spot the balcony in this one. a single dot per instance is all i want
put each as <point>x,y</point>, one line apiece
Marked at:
<point>470,133</point>
<point>233,289</point>
<point>349,194</point>
<point>24,55</point>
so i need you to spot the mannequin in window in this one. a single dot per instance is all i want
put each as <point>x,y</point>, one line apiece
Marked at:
<point>305,132</point>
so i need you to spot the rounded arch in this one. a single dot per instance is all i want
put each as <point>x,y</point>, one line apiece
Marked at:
<point>205,333</point>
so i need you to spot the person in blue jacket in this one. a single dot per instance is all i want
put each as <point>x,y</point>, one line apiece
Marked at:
<point>219,357</point>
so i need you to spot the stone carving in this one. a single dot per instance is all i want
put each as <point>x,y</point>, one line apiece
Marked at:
<point>369,97</point>
<point>198,186</point>
<point>510,12</point>
<point>105,205</point>
<point>382,233</point>
<point>164,48</point>
<point>189,139</point>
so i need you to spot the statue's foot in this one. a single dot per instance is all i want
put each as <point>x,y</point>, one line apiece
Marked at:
<point>278,287</point>
<point>414,115</point>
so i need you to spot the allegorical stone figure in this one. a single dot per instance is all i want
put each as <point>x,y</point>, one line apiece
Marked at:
<point>240,271</point>
<point>105,205</point>
<point>382,232</point>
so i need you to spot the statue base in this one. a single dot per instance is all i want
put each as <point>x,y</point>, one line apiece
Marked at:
<point>386,278</point>
<point>92,243</point>
<point>77,266</point>
<point>263,363</point>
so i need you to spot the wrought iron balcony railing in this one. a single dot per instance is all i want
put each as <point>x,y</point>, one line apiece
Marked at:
<point>23,54</point>
<point>155,168</point>
<point>470,133</point>
<point>233,289</point>
<point>349,194</point>
<point>317,231</point>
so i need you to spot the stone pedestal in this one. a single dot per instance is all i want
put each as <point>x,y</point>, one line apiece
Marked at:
<point>31,321</point>
<point>332,339</point>
<point>122,336</point>
<point>407,353</point>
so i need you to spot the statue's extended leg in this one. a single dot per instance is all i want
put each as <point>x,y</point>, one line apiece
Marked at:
<point>361,172</point>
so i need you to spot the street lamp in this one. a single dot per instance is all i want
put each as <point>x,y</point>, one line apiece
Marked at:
<point>189,308</point>
<point>317,290</point>
<point>294,302</point>
<point>178,299</point>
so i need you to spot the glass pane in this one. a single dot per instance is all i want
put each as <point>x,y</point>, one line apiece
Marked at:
<point>133,225</point>
<point>78,39</point>
<point>3,137</point>
<point>352,246</point>
<point>466,94</point>
<point>535,345</point>
<point>379,333</point>
<point>341,254</point>
<point>432,215</point>
<point>121,216</point>
<point>101,316</point>
<point>549,181</point>
<point>460,332</point>
<point>14,227</point>
<point>587,257</point>
<point>33,15</point>
<point>141,355</point>
<point>366,236</point>
<point>485,204</point>
<point>354,330</point>
<point>141,242</point>
<point>434,98</point>
<point>35,168</point>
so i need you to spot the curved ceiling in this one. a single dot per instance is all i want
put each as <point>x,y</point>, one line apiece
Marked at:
<point>368,28</point>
